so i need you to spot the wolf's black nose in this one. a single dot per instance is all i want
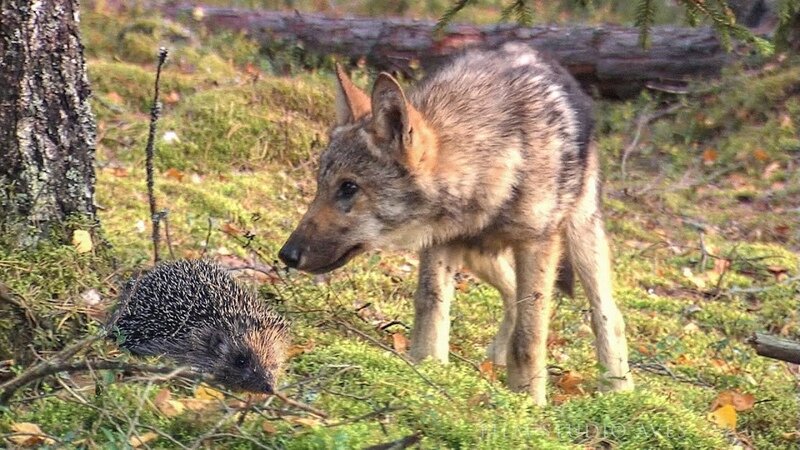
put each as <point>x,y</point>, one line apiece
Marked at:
<point>290,255</point>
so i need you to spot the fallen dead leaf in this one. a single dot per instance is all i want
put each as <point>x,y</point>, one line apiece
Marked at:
<point>399,342</point>
<point>206,392</point>
<point>721,265</point>
<point>486,369</point>
<point>114,98</point>
<point>740,402</point>
<point>174,174</point>
<point>28,435</point>
<point>571,383</point>
<point>166,405</point>
<point>119,172</point>
<point>760,154</point>
<point>724,417</point>
<point>142,439</point>
<point>268,427</point>
<point>305,421</point>
<point>230,228</point>
<point>82,241</point>
<point>172,98</point>
<point>299,349</point>
<point>709,156</point>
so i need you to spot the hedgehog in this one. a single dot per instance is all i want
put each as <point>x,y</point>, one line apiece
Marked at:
<point>195,313</point>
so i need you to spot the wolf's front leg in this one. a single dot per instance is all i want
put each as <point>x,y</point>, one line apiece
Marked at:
<point>430,337</point>
<point>536,265</point>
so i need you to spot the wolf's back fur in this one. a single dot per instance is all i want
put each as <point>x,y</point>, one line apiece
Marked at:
<point>488,162</point>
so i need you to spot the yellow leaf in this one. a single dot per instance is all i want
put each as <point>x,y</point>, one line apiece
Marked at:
<point>206,392</point>
<point>82,241</point>
<point>724,417</point>
<point>28,435</point>
<point>399,342</point>
<point>142,439</point>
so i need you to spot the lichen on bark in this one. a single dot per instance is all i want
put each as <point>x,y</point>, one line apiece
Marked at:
<point>47,129</point>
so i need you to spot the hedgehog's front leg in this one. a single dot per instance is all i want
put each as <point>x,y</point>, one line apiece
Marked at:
<point>430,336</point>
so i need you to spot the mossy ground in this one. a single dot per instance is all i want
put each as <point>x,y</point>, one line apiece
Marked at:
<point>717,180</point>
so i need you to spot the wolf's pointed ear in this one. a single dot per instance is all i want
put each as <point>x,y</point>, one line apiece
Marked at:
<point>396,120</point>
<point>351,102</point>
<point>390,117</point>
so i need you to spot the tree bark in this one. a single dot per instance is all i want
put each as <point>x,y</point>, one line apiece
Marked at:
<point>776,348</point>
<point>608,58</point>
<point>47,130</point>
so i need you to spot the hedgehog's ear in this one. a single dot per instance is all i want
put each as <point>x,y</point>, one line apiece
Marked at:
<point>215,339</point>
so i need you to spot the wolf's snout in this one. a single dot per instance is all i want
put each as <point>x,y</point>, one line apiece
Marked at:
<point>290,254</point>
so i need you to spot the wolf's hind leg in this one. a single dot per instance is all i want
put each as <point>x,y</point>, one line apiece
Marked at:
<point>588,248</point>
<point>430,336</point>
<point>498,271</point>
<point>536,266</point>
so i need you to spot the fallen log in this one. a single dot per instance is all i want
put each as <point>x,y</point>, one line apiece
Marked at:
<point>607,58</point>
<point>775,347</point>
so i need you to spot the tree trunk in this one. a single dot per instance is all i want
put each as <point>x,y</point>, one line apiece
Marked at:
<point>608,58</point>
<point>47,130</point>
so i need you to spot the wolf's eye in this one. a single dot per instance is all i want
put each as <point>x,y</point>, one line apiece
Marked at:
<point>347,189</point>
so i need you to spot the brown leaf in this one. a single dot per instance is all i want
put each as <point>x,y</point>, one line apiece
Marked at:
<point>486,369</point>
<point>399,342</point>
<point>119,172</point>
<point>739,401</point>
<point>268,427</point>
<point>166,405</point>
<point>174,174</point>
<point>571,383</point>
<point>760,154</point>
<point>230,228</point>
<point>114,98</point>
<point>28,435</point>
<point>172,98</point>
<point>721,265</point>
<point>709,156</point>
<point>299,349</point>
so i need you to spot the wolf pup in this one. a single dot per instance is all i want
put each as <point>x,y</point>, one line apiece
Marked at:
<point>487,163</point>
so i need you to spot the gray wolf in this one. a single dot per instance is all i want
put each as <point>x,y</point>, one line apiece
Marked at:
<point>488,162</point>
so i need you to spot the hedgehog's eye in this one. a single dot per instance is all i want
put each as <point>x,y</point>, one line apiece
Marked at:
<point>241,361</point>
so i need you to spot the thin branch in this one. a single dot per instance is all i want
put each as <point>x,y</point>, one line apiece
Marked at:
<point>300,405</point>
<point>644,119</point>
<point>53,367</point>
<point>165,217</point>
<point>155,113</point>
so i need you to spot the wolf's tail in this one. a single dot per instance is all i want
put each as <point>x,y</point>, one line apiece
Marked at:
<point>566,276</point>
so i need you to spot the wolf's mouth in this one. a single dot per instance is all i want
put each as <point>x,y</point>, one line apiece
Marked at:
<point>347,256</point>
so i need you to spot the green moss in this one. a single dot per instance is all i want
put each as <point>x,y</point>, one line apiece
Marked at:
<point>635,421</point>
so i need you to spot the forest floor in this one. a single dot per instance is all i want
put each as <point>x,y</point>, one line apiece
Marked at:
<point>702,202</point>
